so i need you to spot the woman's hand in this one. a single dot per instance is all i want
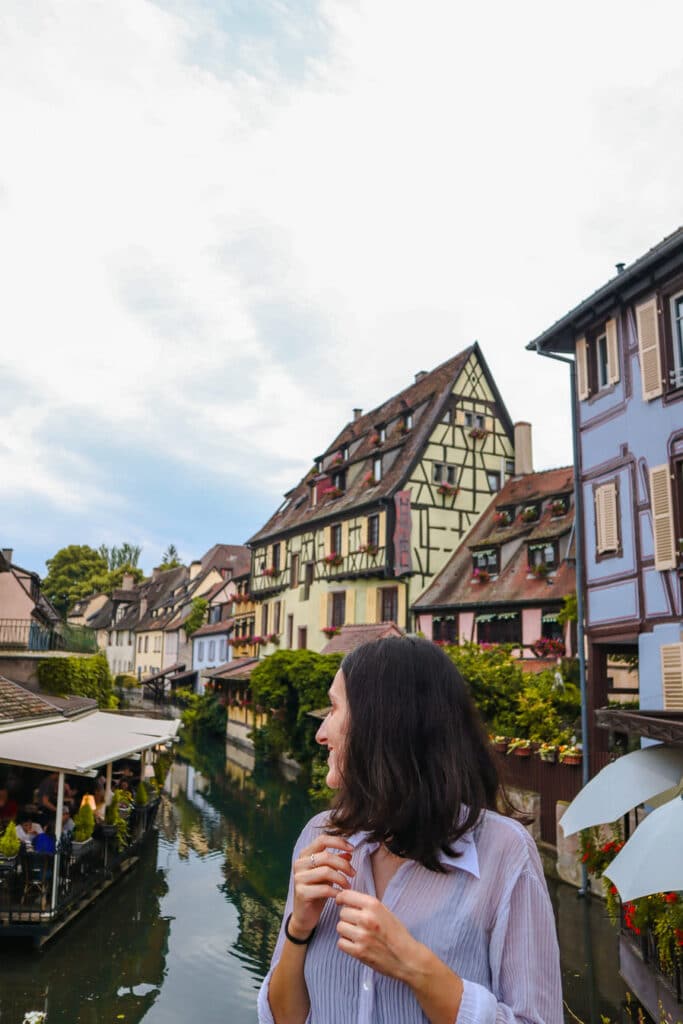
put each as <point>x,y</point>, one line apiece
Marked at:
<point>319,874</point>
<point>372,934</point>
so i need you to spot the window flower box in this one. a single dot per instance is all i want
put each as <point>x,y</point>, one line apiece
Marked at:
<point>448,490</point>
<point>270,571</point>
<point>500,743</point>
<point>558,508</point>
<point>520,748</point>
<point>375,439</point>
<point>337,459</point>
<point>540,571</point>
<point>548,647</point>
<point>331,631</point>
<point>334,559</point>
<point>502,519</point>
<point>478,433</point>
<point>529,514</point>
<point>481,576</point>
<point>547,752</point>
<point>570,755</point>
<point>369,479</point>
<point>331,492</point>
<point>369,549</point>
<point>273,638</point>
<point>259,640</point>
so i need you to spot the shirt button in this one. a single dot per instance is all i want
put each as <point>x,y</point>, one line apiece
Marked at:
<point>367,985</point>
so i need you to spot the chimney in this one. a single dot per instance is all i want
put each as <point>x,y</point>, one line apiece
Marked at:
<point>128,581</point>
<point>195,569</point>
<point>143,607</point>
<point>7,554</point>
<point>357,413</point>
<point>155,573</point>
<point>419,375</point>
<point>523,457</point>
<point>621,267</point>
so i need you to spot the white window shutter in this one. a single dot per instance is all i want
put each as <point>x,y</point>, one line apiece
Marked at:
<point>648,348</point>
<point>612,351</point>
<point>662,518</point>
<point>460,417</point>
<point>672,676</point>
<point>582,369</point>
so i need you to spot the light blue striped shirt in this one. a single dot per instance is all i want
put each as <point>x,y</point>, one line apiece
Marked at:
<point>488,918</point>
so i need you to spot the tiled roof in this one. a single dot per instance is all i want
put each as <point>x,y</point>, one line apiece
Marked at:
<point>235,557</point>
<point>240,668</point>
<point>17,703</point>
<point>70,706</point>
<point>351,637</point>
<point>425,399</point>
<point>214,627</point>
<point>453,587</point>
<point>102,619</point>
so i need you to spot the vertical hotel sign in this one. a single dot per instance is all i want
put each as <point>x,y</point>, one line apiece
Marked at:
<point>403,561</point>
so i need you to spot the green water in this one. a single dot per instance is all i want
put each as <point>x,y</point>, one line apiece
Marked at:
<point>187,936</point>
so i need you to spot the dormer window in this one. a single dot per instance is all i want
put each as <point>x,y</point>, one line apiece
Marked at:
<point>559,507</point>
<point>485,560</point>
<point>542,557</point>
<point>382,431</point>
<point>339,481</point>
<point>504,517</point>
<point>530,513</point>
<point>345,453</point>
<point>377,469</point>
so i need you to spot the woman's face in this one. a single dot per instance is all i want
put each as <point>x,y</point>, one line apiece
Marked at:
<point>333,732</point>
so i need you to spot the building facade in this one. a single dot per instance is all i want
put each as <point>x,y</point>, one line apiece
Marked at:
<point>627,342</point>
<point>383,508</point>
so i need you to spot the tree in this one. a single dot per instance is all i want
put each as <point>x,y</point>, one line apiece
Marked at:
<point>71,572</point>
<point>125,556</point>
<point>170,558</point>
<point>197,616</point>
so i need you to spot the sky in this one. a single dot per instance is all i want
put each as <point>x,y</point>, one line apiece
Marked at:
<point>224,225</point>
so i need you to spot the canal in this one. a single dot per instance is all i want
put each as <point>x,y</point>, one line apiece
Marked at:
<point>187,936</point>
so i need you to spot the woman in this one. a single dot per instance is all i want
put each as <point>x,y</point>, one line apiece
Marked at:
<point>412,900</point>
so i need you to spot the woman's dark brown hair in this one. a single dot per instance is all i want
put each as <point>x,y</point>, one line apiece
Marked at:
<point>417,771</point>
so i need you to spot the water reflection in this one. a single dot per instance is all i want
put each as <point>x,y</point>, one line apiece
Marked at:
<point>113,956</point>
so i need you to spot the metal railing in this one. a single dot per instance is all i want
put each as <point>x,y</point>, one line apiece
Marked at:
<point>28,635</point>
<point>26,883</point>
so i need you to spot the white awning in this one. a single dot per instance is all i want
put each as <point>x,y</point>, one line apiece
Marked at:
<point>79,745</point>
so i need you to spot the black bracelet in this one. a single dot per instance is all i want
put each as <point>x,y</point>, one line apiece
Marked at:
<point>297,942</point>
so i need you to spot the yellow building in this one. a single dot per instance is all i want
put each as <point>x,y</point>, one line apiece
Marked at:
<point>383,509</point>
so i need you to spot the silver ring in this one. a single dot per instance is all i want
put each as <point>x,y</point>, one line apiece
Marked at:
<point>314,863</point>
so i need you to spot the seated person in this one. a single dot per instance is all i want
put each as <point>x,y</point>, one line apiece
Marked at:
<point>67,822</point>
<point>28,829</point>
<point>8,808</point>
<point>44,842</point>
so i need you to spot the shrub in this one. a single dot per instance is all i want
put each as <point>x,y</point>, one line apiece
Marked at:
<point>84,824</point>
<point>83,677</point>
<point>10,844</point>
<point>141,796</point>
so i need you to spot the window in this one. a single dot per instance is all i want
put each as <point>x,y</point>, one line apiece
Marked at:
<point>486,559</point>
<point>499,628</point>
<point>277,613</point>
<point>373,531</point>
<point>389,604</point>
<point>290,631</point>
<point>444,630</point>
<point>309,576</point>
<point>146,644</point>
<point>607,532</point>
<point>314,495</point>
<point>212,650</point>
<point>479,421</point>
<point>264,619</point>
<point>377,468</point>
<point>542,554</point>
<point>408,421</point>
<point>382,434</point>
<point>302,638</point>
<point>663,516</point>
<point>339,480</point>
<point>345,453</point>
<point>509,467</point>
<point>437,472</point>
<point>338,608</point>
<point>469,419</point>
<point>493,478</point>
<point>200,651</point>
<point>130,637</point>
<point>597,360</point>
<point>157,644</point>
<point>215,614</point>
<point>676,367</point>
<point>294,572</point>
<point>139,645</point>
<point>221,649</point>
<point>336,539</point>
<point>276,557</point>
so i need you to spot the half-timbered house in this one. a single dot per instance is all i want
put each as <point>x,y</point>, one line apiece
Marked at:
<point>383,507</point>
<point>627,340</point>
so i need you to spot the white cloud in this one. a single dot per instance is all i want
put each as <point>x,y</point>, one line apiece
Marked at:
<point>210,250</point>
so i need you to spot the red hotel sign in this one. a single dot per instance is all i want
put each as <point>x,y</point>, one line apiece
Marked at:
<point>403,561</point>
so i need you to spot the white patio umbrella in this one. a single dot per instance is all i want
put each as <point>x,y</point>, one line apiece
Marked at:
<point>652,859</point>
<point>625,783</point>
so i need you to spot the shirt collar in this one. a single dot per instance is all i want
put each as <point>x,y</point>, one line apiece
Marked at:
<point>465,851</point>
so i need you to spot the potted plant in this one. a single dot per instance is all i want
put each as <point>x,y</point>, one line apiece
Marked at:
<point>500,743</point>
<point>519,747</point>
<point>337,459</point>
<point>529,514</point>
<point>448,489</point>
<point>331,630</point>
<point>271,571</point>
<point>369,549</point>
<point>540,570</point>
<point>477,433</point>
<point>548,647</point>
<point>481,575</point>
<point>369,479</point>
<point>10,844</point>
<point>375,439</point>
<point>333,558</point>
<point>571,754</point>
<point>273,638</point>
<point>502,518</point>
<point>547,752</point>
<point>115,825</point>
<point>558,507</point>
<point>141,797</point>
<point>84,824</point>
<point>331,492</point>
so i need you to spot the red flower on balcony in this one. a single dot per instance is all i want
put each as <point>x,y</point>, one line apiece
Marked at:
<point>331,630</point>
<point>271,571</point>
<point>448,490</point>
<point>334,559</point>
<point>331,492</point>
<point>481,575</point>
<point>478,433</point>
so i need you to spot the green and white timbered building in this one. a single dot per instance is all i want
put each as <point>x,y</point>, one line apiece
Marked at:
<point>384,507</point>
